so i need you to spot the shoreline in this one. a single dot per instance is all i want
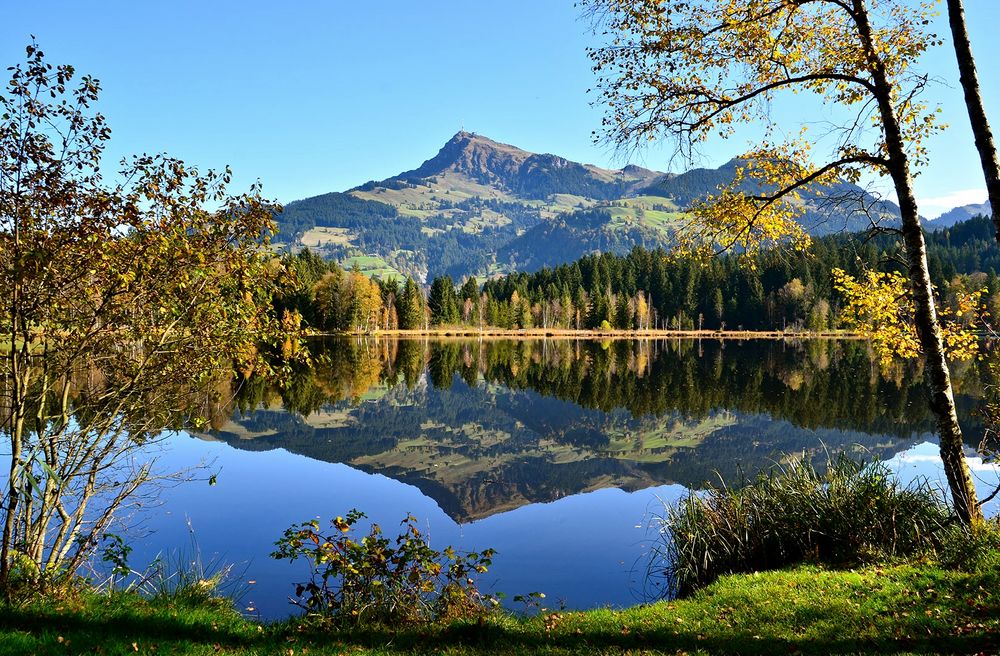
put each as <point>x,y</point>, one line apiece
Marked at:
<point>805,609</point>
<point>563,333</point>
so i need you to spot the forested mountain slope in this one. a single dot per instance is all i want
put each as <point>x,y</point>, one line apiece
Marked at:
<point>480,207</point>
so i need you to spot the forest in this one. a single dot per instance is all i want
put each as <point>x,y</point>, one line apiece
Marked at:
<point>645,289</point>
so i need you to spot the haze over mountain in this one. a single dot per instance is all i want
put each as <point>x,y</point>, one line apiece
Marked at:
<point>959,214</point>
<point>481,207</point>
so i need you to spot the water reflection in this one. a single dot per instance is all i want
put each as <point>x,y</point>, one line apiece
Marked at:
<point>554,453</point>
<point>484,427</point>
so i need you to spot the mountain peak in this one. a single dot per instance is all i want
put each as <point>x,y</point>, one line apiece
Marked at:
<point>465,135</point>
<point>512,170</point>
<point>473,155</point>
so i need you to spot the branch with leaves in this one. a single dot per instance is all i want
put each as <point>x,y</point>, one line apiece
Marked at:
<point>691,70</point>
<point>128,302</point>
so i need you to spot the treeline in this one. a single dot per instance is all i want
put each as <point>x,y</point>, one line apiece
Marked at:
<point>329,298</point>
<point>646,289</point>
<point>776,290</point>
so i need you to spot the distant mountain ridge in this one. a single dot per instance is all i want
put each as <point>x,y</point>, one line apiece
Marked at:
<point>482,207</point>
<point>959,214</point>
<point>527,175</point>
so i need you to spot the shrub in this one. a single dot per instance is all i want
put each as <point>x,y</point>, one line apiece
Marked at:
<point>971,549</point>
<point>852,513</point>
<point>376,581</point>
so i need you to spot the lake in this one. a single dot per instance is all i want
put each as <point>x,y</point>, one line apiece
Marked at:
<point>559,454</point>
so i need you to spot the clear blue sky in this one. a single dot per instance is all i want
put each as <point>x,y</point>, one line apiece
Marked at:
<point>311,97</point>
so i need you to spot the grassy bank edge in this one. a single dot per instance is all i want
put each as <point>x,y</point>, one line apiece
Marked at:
<point>911,608</point>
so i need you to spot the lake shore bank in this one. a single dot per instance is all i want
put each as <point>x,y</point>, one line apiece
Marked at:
<point>563,333</point>
<point>902,609</point>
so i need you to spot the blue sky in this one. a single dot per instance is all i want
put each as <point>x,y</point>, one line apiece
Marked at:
<point>311,97</point>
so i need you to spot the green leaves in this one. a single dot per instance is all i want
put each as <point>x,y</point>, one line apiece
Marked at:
<point>133,301</point>
<point>375,580</point>
<point>32,481</point>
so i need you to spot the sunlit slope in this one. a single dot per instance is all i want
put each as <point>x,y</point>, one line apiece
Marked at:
<point>481,207</point>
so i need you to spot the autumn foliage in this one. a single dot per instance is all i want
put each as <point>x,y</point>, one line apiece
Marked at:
<point>125,298</point>
<point>879,306</point>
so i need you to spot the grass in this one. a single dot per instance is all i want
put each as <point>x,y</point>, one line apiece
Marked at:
<point>663,222</point>
<point>321,236</point>
<point>372,266</point>
<point>458,186</point>
<point>847,514</point>
<point>364,262</point>
<point>415,213</point>
<point>930,588</point>
<point>651,202</point>
<point>915,608</point>
<point>569,202</point>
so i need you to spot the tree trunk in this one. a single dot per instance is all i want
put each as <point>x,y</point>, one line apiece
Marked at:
<point>942,401</point>
<point>963,490</point>
<point>14,363</point>
<point>977,113</point>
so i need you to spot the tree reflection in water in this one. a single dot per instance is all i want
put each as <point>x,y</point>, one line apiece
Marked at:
<point>487,426</point>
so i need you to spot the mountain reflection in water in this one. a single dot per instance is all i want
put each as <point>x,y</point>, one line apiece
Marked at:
<point>554,452</point>
<point>484,427</point>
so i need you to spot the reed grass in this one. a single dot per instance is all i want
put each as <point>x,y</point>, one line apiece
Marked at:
<point>849,513</point>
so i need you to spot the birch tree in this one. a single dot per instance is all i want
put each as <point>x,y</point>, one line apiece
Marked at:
<point>981,130</point>
<point>690,70</point>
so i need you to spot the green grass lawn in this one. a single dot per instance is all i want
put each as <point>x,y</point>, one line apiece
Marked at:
<point>320,236</point>
<point>907,609</point>
<point>664,222</point>
<point>372,266</point>
<point>651,202</point>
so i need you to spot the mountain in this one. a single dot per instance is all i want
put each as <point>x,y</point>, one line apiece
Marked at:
<point>481,207</point>
<point>959,214</point>
<point>844,207</point>
<point>510,170</point>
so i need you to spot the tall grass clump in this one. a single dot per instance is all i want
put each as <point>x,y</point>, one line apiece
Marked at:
<point>972,548</point>
<point>183,577</point>
<point>849,513</point>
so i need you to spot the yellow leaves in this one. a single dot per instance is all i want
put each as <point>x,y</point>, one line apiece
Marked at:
<point>734,221</point>
<point>879,307</point>
<point>690,70</point>
<point>958,322</point>
<point>291,328</point>
<point>761,207</point>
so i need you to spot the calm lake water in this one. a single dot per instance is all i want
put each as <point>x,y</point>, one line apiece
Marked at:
<point>558,454</point>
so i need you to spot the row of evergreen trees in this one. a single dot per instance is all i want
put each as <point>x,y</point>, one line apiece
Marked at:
<point>644,289</point>
<point>331,299</point>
